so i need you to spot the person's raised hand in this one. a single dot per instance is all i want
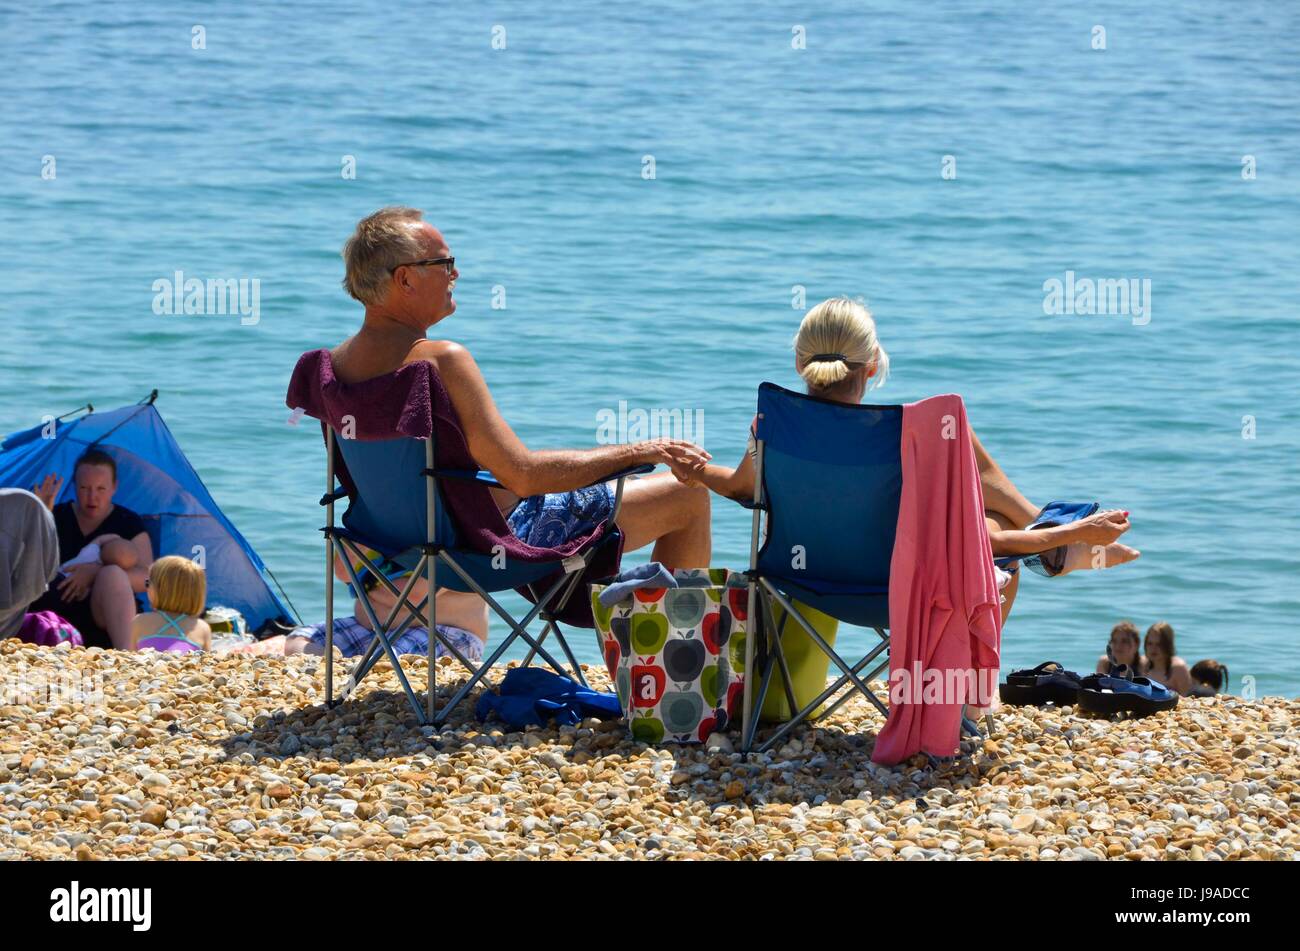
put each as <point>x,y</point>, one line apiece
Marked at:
<point>682,457</point>
<point>48,490</point>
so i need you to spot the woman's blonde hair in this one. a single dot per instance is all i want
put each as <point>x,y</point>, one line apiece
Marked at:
<point>835,338</point>
<point>179,586</point>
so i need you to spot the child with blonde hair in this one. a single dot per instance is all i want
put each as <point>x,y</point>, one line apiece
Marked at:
<point>177,589</point>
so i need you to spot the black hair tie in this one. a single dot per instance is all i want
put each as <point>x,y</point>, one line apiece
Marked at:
<point>827,358</point>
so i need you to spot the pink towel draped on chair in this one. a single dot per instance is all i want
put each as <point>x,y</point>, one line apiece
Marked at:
<point>944,611</point>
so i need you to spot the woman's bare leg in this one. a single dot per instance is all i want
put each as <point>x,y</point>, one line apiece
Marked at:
<point>674,516</point>
<point>1009,592</point>
<point>999,522</point>
<point>1000,494</point>
<point>112,604</point>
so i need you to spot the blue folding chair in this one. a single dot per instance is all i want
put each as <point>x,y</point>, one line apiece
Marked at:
<point>828,477</point>
<point>397,510</point>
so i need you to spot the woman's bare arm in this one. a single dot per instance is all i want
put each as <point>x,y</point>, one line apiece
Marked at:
<point>737,483</point>
<point>1101,528</point>
<point>134,556</point>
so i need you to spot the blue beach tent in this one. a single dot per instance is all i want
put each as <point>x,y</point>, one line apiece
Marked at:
<point>156,481</point>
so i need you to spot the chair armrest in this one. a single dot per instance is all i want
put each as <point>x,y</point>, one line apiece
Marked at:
<point>750,504</point>
<point>334,496</point>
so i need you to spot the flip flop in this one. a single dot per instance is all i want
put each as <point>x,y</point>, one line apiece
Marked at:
<point>1050,563</point>
<point>1109,695</point>
<point>1049,682</point>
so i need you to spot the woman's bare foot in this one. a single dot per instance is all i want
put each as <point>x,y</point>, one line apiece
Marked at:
<point>1081,555</point>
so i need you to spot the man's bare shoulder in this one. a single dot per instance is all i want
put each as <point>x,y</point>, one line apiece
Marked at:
<point>447,355</point>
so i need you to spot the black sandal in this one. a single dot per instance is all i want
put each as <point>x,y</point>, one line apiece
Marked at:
<point>1049,682</point>
<point>1111,695</point>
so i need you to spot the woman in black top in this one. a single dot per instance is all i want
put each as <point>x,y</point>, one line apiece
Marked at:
<point>97,595</point>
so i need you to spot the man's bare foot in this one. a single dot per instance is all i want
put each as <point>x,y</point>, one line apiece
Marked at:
<point>1081,555</point>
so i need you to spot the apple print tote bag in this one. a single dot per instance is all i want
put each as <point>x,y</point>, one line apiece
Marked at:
<point>677,655</point>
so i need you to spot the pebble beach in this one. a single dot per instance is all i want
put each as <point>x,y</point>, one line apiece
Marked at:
<point>120,755</point>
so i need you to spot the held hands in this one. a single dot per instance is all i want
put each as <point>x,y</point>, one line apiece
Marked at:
<point>76,585</point>
<point>48,490</point>
<point>1102,528</point>
<point>685,459</point>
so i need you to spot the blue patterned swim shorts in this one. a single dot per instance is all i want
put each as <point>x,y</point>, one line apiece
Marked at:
<point>352,638</point>
<point>548,521</point>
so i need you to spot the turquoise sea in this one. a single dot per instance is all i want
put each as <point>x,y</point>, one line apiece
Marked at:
<point>828,167</point>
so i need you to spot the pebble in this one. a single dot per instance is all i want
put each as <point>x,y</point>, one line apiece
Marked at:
<point>259,769</point>
<point>719,742</point>
<point>155,814</point>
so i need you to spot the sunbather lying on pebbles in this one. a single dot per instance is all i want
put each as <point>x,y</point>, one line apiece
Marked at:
<point>462,620</point>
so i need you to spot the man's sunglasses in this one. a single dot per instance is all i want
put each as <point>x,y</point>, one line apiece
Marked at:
<point>448,263</point>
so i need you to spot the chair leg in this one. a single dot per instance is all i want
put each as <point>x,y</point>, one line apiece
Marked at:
<point>573,660</point>
<point>532,651</point>
<point>371,657</point>
<point>382,635</point>
<point>329,631</point>
<point>359,670</point>
<point>329,608</point>
<point>848,694</point>
<point>802,715</point>
<point>821,698</point>
<point>403,600</point>
<point>749,720</point>
<point>778,649</point>
<point>518,629</point>
<point>559,634</point>
<point>552,625</point>
<point>747,740</point>
<point>819,640</point>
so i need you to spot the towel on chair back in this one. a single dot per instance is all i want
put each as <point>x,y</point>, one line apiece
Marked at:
<point>945,618</point>
<point>412,402</point>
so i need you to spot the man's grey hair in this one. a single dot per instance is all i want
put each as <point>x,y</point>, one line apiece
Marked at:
<point>381,242</point>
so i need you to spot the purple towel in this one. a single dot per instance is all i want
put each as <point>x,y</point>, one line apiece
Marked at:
<point>409,402</point>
